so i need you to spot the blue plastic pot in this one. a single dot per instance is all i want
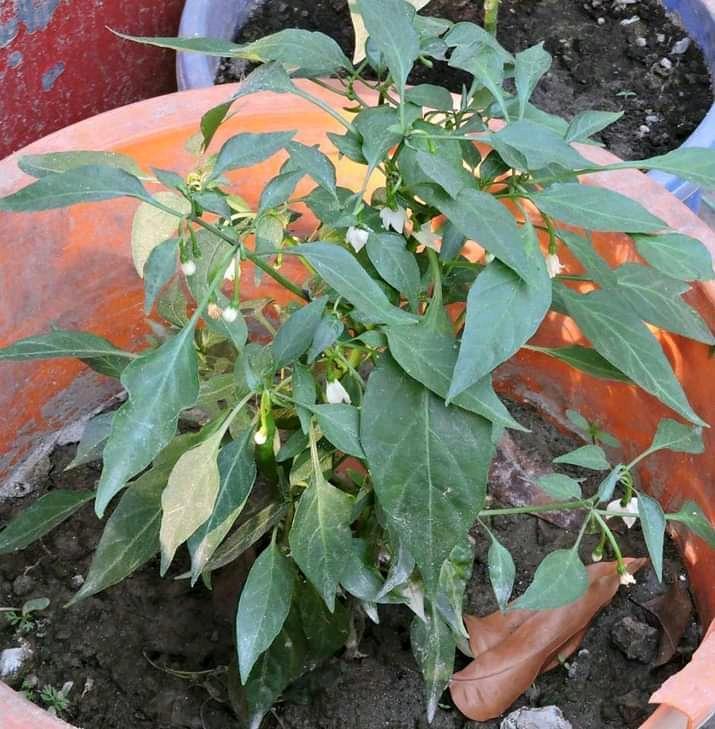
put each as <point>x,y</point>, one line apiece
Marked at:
<point>222,18</point>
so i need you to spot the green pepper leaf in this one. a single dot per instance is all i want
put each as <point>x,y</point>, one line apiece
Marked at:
<point>248,149</point>
<point>559,486</point>
<point>596,208</point>
<point>160,384</point>
<point>237,474</point>
<point>675,436</point>
<point>96,352</point>
<point>388,253</point>
<point>159,268</point>
<point>653,524</point>
<point>296,335</point>
<point>433,646</point>
<point>264,606</point>
<point>514,309</point>
<point>320,538</point>
<point>676,255</point>
<point>530,65</point>
<point>620,336</point>
<point>502,571</point>
<point>559,580</point>
<point>587,123</point>
<point>693,517</point>
<point>657,299</point>
<point>340,424</point>
<point>343,272</point>
<point>588,456</point>
<point>41,517</point>
<point>90,183</point>
<point>391,28</point>
<point>434,490</point>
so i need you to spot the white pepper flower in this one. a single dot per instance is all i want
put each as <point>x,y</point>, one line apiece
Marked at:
<point>230,273</point>
<point>627,579</point>
<point>631,508</point>
<point>230,314</point>
<point>335,393</point>
<point>394,219</point>
<point>260,437</point>
<point>553,265</point>
<point>188,268</point>
<point>357,237</point>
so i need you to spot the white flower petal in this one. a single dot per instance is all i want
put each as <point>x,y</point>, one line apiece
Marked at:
<point>357,237</point>
<point>631,508</point>
<point>230,273</point>
<point>394,219</point>
<point>188,268</point>
<point>553,265</point>
<point>230,314</point>
<point>335,393</point>
<point>627,579</point>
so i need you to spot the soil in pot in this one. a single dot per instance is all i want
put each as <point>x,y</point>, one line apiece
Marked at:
<point>614,56</point>
<point>150,653</point>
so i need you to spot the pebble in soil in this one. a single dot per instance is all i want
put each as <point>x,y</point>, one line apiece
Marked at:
<point>103,645</point>
<point>613,56</point>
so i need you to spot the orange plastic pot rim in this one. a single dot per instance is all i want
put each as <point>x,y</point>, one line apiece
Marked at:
<point>80,276</point>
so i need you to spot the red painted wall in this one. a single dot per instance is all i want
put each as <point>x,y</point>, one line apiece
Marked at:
<point>60,64</point>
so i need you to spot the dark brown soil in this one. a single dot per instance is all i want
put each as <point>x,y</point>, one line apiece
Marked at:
<point>105,644</point>
<point>599,62</point>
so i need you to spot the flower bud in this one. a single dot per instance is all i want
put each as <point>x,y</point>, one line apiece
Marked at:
<point>230,314</point>
<point>188,268</point>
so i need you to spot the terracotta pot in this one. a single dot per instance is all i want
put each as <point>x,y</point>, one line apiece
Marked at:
<point>73,268</point>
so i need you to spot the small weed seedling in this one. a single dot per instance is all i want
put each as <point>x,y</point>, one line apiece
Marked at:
<point>56,700</point>
<point>23,619</point>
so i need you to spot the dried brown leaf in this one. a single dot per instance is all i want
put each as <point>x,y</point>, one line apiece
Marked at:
<point>511,649</point>
<point>672,610</point>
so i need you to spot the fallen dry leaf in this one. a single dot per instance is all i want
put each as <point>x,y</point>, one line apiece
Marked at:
<point>672,610</point>
<point>511,649</point>
<point>512,480</point>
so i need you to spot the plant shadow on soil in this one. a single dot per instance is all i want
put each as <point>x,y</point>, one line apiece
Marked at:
<point>105,644</point>
<point>603,59</point>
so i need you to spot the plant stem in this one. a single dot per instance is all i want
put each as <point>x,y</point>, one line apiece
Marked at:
<point>539,508</point>
<point>611,539</point>
<point>491,15</point>
<point>255,260</point>
<point>325,107</point>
